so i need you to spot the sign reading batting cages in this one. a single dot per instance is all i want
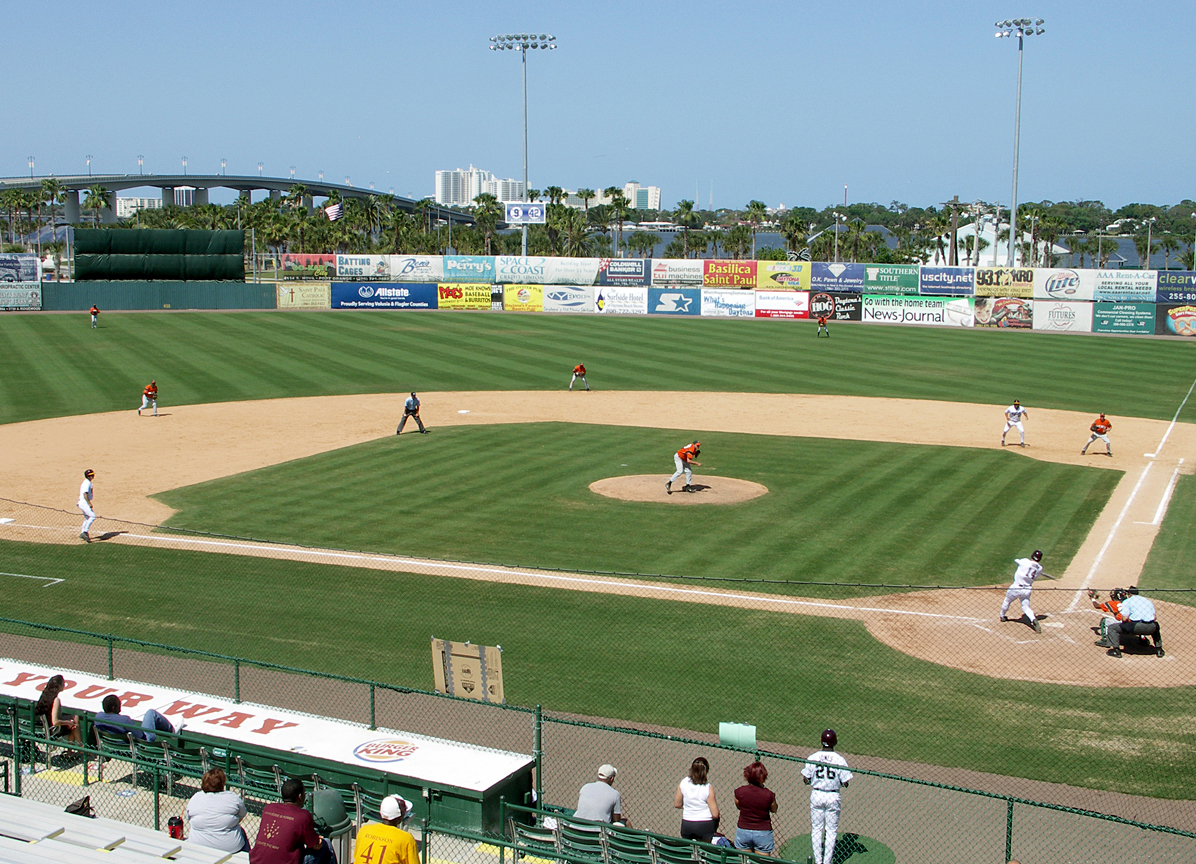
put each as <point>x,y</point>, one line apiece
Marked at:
<point>1064,284</point>
<point>794,275</point>
<point>1175,320</point>
<point>394,295</point>
<point>1123,318</point>
<point>468,268</point>
<point>569,298</point>
<point>1016,312</point>
<point>618,300</point>
<point>891,278</point>
<point>782,304</point>
<point>672,271</point>
<point>947,281</point>
<point>835,306</point>
<point>360,267</point>
<point>728,274</point>
<point>546,271</point>
<point>674,301</point>
<point>1176,286</point>
<point>728,303</point>
<point>1063,316</point>
<point>20,296</point>
<point>463,295</point>
<point>624,271</point>
<point>1004,282</point>
<point>841,278</point>
<point>523,298</point>
<point>1139,285</point>
<point>934,311</point>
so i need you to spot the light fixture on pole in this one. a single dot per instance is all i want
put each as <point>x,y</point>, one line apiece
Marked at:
<point>321,176</point>
<point>223,165</point>
<point>88,164</point>
<point>31,167</point>
<point>292,172</point>
<point>1021,28</point>
<point>140,164</point>
<point>521,42</point>
<point>184,166</point>
<point>259,169</point>
<point>1145,265</point>
<point>838,216</point>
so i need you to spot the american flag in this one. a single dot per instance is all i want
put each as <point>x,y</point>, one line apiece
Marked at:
<point>333,212</point>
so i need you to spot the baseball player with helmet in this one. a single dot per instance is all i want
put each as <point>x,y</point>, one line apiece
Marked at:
<point>683,459</point>
<point>94,312</point>
<point>86,491</point>
<point>411,409</point>
<point>1014,415</point>
<point>579,371</point>
<point>1028,569</point>
<point>826,773</point>
<point>149,397</point>
<point>822,328</point>
<point>1111,609</point>
<point>1100,429</point>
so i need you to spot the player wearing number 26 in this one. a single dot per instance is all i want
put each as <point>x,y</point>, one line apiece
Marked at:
<point>826,773</point>
<point>385,842</point>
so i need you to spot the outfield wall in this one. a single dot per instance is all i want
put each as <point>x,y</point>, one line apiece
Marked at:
<point>79,296</point>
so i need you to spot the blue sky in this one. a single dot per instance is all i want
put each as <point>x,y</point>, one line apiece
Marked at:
<point>785,102</point>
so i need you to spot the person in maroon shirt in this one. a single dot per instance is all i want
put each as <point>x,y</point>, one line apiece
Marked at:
<point>287,833</point>
<point>756,806</point>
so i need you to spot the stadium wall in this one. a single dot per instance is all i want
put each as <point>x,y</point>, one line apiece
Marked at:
<point>109,296</point>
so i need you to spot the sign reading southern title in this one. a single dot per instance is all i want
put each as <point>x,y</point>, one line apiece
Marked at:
<point>522,213</point>
<point>891,278</point>
<point>384,295</point>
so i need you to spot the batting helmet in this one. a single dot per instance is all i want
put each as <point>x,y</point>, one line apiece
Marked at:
<point>829,739</point>
<point>89,473</point>
<point>1118,594</point>
<point>1037,556</point>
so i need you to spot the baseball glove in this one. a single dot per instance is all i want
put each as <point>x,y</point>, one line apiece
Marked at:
<point>1093,594</point>
<point>1094,428</point>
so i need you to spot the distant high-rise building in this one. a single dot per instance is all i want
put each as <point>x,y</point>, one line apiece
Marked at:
<point>460,187</point>
<point>127,207</point>
<point>638,197</point>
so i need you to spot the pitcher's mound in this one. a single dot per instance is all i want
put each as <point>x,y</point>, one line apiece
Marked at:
<point>650,487</point>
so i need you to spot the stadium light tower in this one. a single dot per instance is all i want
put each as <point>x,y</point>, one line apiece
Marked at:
<point>521,42</point>
<point>1020,27</point>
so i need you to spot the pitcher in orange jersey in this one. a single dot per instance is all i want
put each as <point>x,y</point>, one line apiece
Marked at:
<point>579,371</point>
<point>683,458</point>
<point>1100,429</point>
<point>149,397</point>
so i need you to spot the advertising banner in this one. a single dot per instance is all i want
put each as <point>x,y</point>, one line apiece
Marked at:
<point>463,295</point>
<point>836,307</point>
<point>1004,282</point>
<point>841,278</point>
<point>304,295</point>
<point>303,266</point>
<point>1126,285</point>
<point>728,303</point>
<point>1176,286</point>
<point>1175,320</point>
<point>523,298</point>
<point>363,267</point>
<point>546,271</point>
<point>393,295</point>
<point>20,267</point>
<point>675,301</point>
<point>522,213</point>
<point>1014,312</point>
<point>21,296</point>
<point>947,281</point>
<point>468,268</point>
<point>718,273</point>
<point>621,300</point>
<point>417,268</point>
<point>624,271</point>
<point>783,274</point>
<point>671,271</point>
<point>496,297</point>
<point>891,278</point>
<point>1066,316</point>
<point>1123,317</point>
<point>782,304</point>
<point>1062,284</point>
<point>566,298</point>
<point>935,311</point>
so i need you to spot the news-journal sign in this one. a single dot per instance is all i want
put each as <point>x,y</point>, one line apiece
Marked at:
<point>546,271</point>
<point>384,295</point>
<point>891,278</point>
<point>782,304</point>
<point>675,300</point>
<point>933,311</point>
<point>1005,282</point>
<point>20,296</point>
<point>463,295</point>
<point>794,275</point>
<point>624,271</point>
<point>840,278</point>
<point>468,268</point>
<point>526,214</point>
<point>568,298</point>
<point>1179,320</point>
<point>1063,316</point>
<point>621,300</point>
<point>1064,284</point>
<point>1176,286</point>
<point>947,281</point>
<point>1015,312</point>
<point>835,306</point>
<point>670,271</point>
<point>719,273</point>
<point>523,298</point>
<point>1123,317</point>
<point>1140,285</point>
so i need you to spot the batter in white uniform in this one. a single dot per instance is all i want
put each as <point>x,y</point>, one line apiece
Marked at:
<point>826,772</point>
<point>1028,569</point>
<point>85,494</point>
<point>1013,420</point>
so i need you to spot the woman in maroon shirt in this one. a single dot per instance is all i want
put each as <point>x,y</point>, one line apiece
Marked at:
<point>756,806</point>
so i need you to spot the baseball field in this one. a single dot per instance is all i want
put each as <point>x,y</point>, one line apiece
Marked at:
<point>861,591</point>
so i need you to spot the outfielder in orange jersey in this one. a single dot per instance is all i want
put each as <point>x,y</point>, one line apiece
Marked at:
<point>822,328</point>
<point>149,397</point>
<point>1100,429</point>
<point>579,371</point>
<point>683,458</point>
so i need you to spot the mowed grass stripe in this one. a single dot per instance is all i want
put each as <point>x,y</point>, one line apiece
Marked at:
<point>837,511</point>
<point>1169,564</point>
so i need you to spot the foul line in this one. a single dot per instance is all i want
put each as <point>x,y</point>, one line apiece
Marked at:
<point>1166,434</point>
<point>547,577</point>
<point>1166,501</point>
<point>1108,540</point>
<point>49,580</point>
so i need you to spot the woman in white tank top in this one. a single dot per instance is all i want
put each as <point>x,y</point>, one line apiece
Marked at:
<point>695,799</point>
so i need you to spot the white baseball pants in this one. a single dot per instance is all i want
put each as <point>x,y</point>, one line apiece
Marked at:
<point>1018,426</point>
<point>824,825</point>
<point>682,468</point>
<point>1095,436</point>
<point>147,402</point>
<point>583,380</point>
<point>1022,594</point>
<point>89,513</point>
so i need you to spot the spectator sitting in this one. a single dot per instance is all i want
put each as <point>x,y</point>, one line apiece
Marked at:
<point>599,802</point>
<point>1136,618</point>
<point>753,833</point>
<point>50,707</point>
<point>287,833</point>
<point>695,800</point>
<point>385,842</point>
<point>215,815</point>
<point>110,720</point>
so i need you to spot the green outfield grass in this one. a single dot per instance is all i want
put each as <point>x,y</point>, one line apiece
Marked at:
<point>1170,562</point>
<point>837,511</point>
<point>57,365</point>
<point>649,661</point>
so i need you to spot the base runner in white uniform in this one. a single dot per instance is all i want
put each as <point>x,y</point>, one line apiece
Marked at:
<point>1013,420</point>
<point>85,496</point>
<point>1028,569</point>
<point>826,773</point>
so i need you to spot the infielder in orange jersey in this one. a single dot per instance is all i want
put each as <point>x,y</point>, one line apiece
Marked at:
<point>683,458</point>
<point>822,328</point>
<point>579,371</point>
<point>1100,429</point>
<point>149,397</point>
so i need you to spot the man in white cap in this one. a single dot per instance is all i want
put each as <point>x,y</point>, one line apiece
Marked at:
<point>600,801</point>
<point>385,842</point>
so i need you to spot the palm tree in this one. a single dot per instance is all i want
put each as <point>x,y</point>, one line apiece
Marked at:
<point>575,229</point>
<point>738,241</point>
<point>95,201</point>
<point>643,243</point>
<point>487,213</point>
<point>586,195</point>
<point>53,193</point>
<point>1140,241</point>
<point>795,231</point>
<point>619,209</point>
<point>534,194</point>
<point>555,194</point>
<point>685,216</point>
<point>1169,245</point>
<point>757,212</point>
<point>57,247</point>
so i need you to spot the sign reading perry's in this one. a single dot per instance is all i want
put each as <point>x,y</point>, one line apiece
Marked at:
<point>384,295</point>
<point>468,268</point>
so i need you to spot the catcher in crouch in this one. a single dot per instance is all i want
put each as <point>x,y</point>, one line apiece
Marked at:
<point>411,409</point>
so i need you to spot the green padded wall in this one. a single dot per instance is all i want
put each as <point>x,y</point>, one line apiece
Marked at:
<point>109,296</point>
<point>138,254</point>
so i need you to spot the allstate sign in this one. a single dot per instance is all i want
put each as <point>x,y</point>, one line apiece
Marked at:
<point>384,295</point>
<point>674,301</point>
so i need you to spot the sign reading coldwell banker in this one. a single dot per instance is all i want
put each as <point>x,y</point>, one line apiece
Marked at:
<point>947,281</point>
<point>728,303</point>
<point>782,304</point>
<point>836,307</point>
<point>794,275</point>
<point>374,295</point>
<point>1176,286</point>
<point>935,311</point>
<point>468,268</point>
<point>1124,317</point>
<point>1126,285</point>
<point>843,278</point>
<point>567,298</point>
<point>891,278</point>
<point>674,301</point>
<point>1064,284</point>
<point>671,271</point>
<point>624,271</point>
<point>728,274</point>
<point>546,271</point>
<point>1063,316</point>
